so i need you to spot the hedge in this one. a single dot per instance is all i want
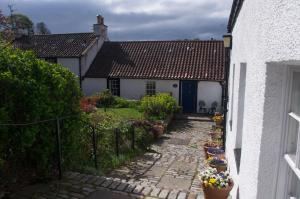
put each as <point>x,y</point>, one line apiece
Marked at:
<point>32,90</point>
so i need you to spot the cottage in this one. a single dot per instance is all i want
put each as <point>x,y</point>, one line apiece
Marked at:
<point>263,135</point>
<point>191,71</point>
<point>75,51</point>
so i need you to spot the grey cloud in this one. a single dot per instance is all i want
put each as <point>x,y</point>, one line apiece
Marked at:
<point>180,21</point>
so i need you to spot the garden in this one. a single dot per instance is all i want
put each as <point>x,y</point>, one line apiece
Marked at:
<point>47,126</point>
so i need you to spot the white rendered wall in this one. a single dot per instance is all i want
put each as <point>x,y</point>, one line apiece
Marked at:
<point>265,32</point>
<point>209,92</point>
<point>136,88</point>
<point>71,63</point>
<point>90,54</point>
<point>91,86</point>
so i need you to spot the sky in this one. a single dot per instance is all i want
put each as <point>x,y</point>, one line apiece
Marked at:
<point>131,19</point>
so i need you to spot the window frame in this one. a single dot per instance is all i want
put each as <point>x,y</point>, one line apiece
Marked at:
<point>150,89</point>
<point>115,82</point>
<point>286,166</point>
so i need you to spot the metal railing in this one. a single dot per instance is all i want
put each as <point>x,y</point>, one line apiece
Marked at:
<point>94,137</point>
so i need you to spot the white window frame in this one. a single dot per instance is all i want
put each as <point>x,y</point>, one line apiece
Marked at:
<point>150,88</point>
<point>288,163</point>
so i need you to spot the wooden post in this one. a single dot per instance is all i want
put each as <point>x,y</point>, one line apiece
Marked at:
<point>58,144</point>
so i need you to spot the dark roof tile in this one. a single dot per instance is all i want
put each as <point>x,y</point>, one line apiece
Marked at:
<point>56,45</point>
<point>201,60</point>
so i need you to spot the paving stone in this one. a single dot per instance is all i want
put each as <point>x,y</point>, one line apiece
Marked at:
<point>155,192</point>
<point>182,195</point>
<point>146,191</point>
<point>107,182</point>
<point>173,194</point>
<point>164,193</point>
<point>114,184</point>
<point>138,189</point>
<point>122,186</point>
<point>130,188</point>
<point>99,181</point>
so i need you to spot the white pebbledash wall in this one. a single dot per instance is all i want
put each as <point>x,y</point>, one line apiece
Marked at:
<point>209,92</point>
<point>266,38</point>
<point>136,89</point>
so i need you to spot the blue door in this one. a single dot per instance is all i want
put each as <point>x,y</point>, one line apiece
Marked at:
<point>189,96</point>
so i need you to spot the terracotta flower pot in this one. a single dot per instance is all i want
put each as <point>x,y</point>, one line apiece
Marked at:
<point>215,193</point>
<point>218,167</point>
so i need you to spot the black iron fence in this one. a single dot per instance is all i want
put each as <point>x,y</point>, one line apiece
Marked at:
<point>113,138</point>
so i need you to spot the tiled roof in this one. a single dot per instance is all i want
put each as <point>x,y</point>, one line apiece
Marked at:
<point>234,13</point>
<point>56,45</point>
<point>201,60</point>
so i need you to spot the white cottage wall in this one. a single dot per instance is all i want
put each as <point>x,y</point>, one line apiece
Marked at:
<point>265,31</point>
<point>209,92</point>
<point>136,88</point>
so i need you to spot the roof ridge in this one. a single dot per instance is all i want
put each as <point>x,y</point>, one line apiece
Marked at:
<point>156,41</point>
<point>72,33</point>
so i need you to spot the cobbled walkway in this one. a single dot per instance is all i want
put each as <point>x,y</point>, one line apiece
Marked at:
<point>169,172</point>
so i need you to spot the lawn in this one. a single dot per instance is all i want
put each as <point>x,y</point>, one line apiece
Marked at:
<point>124,113</point>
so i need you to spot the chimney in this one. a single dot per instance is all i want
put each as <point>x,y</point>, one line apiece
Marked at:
<point>100,29</point>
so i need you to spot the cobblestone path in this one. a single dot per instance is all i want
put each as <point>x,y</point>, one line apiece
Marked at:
<point>169,172</point>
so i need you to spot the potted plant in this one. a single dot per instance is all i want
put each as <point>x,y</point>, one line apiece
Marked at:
<point>218,119</point>
<point>216,134</point>
<point>210,144</point>
<point>216,185</point>
<point>218,163</point>
<point>212,152</point>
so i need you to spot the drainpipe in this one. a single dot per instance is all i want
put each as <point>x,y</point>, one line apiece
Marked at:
<point>225,98</point>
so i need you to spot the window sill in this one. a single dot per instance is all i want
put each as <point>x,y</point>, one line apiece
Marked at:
<point>290,159</point>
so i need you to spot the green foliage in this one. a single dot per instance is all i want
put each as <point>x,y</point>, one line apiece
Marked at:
<point>33,90</point>
<point>158,106</point>
<point>105,99</point>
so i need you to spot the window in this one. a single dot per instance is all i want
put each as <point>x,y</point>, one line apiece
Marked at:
<point>114,86</point>
<point>292,156</point>
<point>51,59</point>
<point>150,88</point>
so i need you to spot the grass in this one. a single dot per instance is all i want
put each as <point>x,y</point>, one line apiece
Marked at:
<point>125,113</point>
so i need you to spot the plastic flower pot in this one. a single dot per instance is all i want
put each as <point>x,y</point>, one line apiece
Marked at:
<point>216,193</point>
<point>215,152</point>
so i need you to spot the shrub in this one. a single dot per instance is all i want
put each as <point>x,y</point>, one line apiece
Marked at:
<point>120,102</point>
<point>104,99</point>
<point>32,90</point>
<point>158,106</point>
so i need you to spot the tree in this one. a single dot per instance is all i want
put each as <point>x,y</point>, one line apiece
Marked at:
<point>21,23</point>
<point>42,29</point>
<point>5,28</point>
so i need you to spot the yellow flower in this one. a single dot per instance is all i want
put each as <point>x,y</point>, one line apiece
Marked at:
<point>212,181</point>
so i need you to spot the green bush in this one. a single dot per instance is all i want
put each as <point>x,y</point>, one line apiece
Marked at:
<point>32,90</point>
<point>158,106</point>
<point>104,99</point>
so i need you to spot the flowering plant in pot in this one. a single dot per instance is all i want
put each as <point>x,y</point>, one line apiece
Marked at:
<point>215,152</point>
<point>216,134</point>
<point>218,163</point>
<point>210,144</point>
<point>216,185</point>
<point>218,118</point>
